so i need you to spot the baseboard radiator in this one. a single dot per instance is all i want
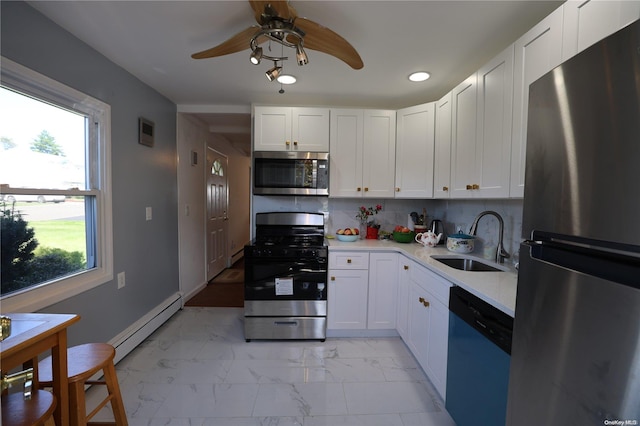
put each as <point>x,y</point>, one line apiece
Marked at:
<point>135,334</point>
<point>235,257</point>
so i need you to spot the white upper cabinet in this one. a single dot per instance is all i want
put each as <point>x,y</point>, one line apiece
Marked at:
<point>291,129</point>
<point>345,153</point>
<point>463,138</point>
<point>481,131</point>
<point>494,119</point>
<point>362,153</point>
<point>414,151</point>
<point>379,156</point>
<point>586,22</point>
<point>537,52</point>
<point>442,155</point>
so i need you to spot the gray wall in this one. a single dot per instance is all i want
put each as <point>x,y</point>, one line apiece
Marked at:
<point>146,250</point>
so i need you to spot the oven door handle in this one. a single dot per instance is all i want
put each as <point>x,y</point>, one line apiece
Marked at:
<point>313,271</point>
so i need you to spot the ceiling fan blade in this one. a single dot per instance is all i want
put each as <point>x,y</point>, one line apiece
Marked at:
<point>324,40</point>
<point>237,43</point>
<point>280,7</point>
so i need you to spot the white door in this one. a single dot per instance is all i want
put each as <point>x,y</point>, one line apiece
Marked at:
<point>217,224</point>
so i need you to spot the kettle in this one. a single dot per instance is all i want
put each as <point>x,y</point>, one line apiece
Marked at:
<point>437,227</point>
<point>428,238</point>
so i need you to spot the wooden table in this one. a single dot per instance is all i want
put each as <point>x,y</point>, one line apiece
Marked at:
<point>33,334</point>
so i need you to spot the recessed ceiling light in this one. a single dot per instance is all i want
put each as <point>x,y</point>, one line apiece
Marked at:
<point>286,79</point>
<point>419,76</point>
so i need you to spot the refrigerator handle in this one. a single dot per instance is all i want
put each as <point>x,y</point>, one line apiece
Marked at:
<point>621,268</point>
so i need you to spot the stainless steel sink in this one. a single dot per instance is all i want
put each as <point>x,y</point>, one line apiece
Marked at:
<point>467,264</point>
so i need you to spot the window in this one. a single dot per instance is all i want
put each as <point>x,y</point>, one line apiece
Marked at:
<point>55,195</point>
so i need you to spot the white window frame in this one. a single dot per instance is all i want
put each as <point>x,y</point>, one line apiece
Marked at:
<point>25,80</point>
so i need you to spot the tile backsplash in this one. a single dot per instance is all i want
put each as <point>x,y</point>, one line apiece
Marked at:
<point>341,213</point>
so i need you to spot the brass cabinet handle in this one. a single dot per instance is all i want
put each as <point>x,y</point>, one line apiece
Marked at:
<point>406,267</point>
<point>475,186</point>
<point>469,187</point>
<point>366,189</point>
<point>333,278</point>
<point>359,189</point>
<point>348,260</point>
<point>295,143</point>
<point>445,188</point>
<point>426,304</point>
<point>397,189</point>
<point>287,143</point>
<point>421,299</point>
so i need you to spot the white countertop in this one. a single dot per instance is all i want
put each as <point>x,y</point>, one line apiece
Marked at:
<point>495,288</point>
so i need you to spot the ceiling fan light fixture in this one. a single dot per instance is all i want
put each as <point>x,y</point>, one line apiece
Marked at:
<point>419,76</point>
<point>301,56</point>
<point>286,79</point>
<point>273,73</point>
<point>256,55</point>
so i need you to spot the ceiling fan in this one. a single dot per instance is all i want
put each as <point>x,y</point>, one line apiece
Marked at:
<point>279,22</point>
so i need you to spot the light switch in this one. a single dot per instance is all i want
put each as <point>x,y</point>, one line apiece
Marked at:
<point>149,213</point>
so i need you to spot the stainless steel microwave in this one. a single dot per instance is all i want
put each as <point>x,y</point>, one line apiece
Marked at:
<point>290,173</point>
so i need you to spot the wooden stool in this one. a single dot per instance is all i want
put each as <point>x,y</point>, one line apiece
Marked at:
<point>37,411</point>
<point>83,362</point>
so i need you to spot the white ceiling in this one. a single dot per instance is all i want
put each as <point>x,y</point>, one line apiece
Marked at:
<point>153,40</point>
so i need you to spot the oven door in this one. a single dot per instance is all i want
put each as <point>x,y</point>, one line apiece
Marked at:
<point>285,279</point>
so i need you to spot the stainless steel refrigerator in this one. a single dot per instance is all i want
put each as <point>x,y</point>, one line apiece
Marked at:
<point>576,342</point>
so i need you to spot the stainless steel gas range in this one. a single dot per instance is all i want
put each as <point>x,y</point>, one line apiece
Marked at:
<point>285,286</point>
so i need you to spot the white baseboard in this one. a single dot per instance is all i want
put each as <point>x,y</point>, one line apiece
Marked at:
<point>237,256</point>
<point>362,333</point>
<point>135,334</point>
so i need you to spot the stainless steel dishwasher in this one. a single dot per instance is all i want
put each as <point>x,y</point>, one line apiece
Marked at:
<point>478,360</point>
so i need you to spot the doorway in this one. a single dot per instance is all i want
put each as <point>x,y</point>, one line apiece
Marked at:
<point>217,227</point>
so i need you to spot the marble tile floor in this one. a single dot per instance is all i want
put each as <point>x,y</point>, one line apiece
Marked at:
<point>197,370</point>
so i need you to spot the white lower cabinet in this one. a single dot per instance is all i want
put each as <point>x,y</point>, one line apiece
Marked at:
<point>362,291</point>
<point>428,323</point>
<point>383,290</point>
<point>348,290</point>
<point>402,316</point>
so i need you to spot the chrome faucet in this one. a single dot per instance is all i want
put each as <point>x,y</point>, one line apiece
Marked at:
<point>501,254</point>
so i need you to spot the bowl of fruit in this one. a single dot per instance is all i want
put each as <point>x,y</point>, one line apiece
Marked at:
<point>402,234</point>
<point>347,234</point>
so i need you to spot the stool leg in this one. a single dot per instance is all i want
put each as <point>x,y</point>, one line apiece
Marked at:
<point>117,405</point>
<point>77,409</point>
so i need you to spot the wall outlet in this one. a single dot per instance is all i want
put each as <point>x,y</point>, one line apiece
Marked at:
<point>121,280</point>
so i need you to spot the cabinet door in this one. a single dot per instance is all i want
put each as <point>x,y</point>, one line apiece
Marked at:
<point>402,316</point>
<point>383,290</point>
<point>587,22</point>
<point>442,158</point>
<point>414,151</point>
<point>437,344</point>
<point>310,129</point>
<point>537,52</point>
<point>345,153</point>
<point>379,159</point>
<point>463,139</point>
<point>272,128</point>
<point>429,323</point>
<point>418,324</point>
<point>494,115</point>
<point>347,299</point>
